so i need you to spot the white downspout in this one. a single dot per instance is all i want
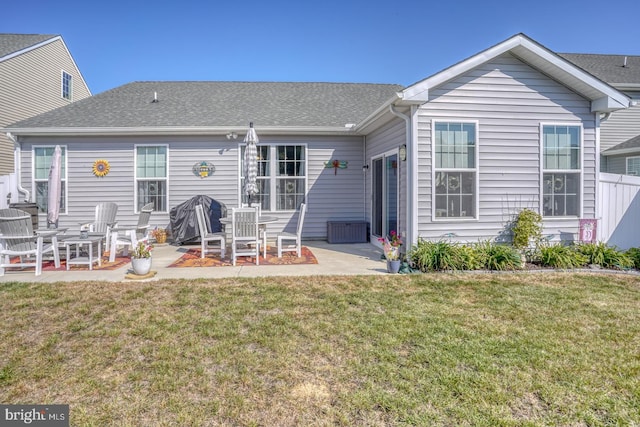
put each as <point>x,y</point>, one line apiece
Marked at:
<point>412,159</point>
<point>17,157</point>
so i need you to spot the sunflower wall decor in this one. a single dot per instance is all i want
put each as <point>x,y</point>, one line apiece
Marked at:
<point>101,168</point>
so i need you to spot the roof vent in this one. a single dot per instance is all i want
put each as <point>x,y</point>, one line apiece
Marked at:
<point>155,97</point>
<point>625,62</point>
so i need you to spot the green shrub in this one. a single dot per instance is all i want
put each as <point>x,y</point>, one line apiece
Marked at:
<point>493,256</point>
<point>561,256</point>
<point>437,256</point>
<point>634,254</point>
<point>527,226</point>
<point>605,256</point>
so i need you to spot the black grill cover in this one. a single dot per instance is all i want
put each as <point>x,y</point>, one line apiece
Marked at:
<point>184,222</point>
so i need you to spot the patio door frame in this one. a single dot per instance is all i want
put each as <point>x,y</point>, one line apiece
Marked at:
<point>384,212</point>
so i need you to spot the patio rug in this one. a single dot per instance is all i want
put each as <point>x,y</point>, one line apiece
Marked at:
<point>192,259</point>
<point>48,265</point>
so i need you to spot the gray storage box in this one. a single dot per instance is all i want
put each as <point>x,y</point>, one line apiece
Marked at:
<point>347,231</point>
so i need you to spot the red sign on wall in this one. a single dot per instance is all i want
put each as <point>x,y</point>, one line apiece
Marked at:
<point>588,228</point>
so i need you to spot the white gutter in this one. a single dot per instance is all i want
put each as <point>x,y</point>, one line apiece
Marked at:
<point>17,157</point>
<point>412,188</point>
<point>171,130</point>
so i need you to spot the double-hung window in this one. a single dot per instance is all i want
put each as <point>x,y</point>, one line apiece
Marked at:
<point>562,168</point>
<point>152,176</point>
<point>66,85</point>
<point>455,172</point>
<point>42,157</point>
<point>282,177</point>
<point>633,166</point>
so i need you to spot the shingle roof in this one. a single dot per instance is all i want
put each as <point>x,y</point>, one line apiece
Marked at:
<point>11,43</point>
<point>628,144</point>
<point>203,104</point>
<point>608,68</point>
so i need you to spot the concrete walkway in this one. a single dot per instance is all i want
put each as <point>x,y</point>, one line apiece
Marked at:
<point>343,259</point>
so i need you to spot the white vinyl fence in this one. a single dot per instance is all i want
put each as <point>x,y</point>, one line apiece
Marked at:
<point>619,207</point>
<point>7,182</point>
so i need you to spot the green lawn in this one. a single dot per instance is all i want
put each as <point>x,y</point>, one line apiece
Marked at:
<point>436,349</point>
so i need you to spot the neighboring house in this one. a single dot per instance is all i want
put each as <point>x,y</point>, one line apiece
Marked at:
<point>37,74</point>
<point>456,154</point>
<point>620,132</point>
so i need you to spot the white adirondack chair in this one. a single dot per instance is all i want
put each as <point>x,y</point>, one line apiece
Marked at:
<point>17,238</point>
<point>128,237</point>
<point>105,220</point>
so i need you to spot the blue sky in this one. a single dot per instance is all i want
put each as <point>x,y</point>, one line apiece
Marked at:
<point>398,41</point>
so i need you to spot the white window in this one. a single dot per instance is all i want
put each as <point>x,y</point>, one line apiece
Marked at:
<point>282,177</point>
<point>66,86</point>
<point>455,172</point>
<point>152,176</point>
<point>41,165</point>
<point>562,170</point>
<point>633,166</point>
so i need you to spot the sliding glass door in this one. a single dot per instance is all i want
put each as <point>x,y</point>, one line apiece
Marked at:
<point>384,218</point>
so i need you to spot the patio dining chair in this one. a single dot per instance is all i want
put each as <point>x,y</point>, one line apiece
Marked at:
<point>130,236</point>
<point>292,237</point>
<point>245,237</point>
<point>17,238</point>
<point>207,236</point>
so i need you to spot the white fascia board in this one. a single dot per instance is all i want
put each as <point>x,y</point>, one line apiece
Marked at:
<point>617,100</point>
<point>607,104</point>
<point>30,48</point>
<point>311,130</point>
<point>613,152</point>
<point>420,90</point>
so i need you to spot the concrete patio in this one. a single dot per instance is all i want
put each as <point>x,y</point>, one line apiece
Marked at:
<point>333,259</point>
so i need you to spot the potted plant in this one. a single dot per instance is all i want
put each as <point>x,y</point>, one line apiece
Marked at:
<point>141,258</point>
<point>159,235</point>
<point>391,246</point>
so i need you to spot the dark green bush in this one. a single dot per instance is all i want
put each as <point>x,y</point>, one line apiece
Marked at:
<point>605,256</point>
<point>527,226</point>
<point>561,256</point>
<point>634,254</point>
<point>494,256</point>
<point>437,256</point>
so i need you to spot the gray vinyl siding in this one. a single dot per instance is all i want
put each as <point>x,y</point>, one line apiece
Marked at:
<point>384,139</point>
<point>621,126</point>
<point>508,100</point>
<point>330,196</point>
<point>31,84</point>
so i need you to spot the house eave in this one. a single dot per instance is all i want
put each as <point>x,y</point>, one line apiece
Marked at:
<point>177,130</point>
<point>605,98</point>
<point>614,152</point>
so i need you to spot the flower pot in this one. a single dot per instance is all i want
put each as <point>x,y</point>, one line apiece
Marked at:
<point>141,266</point>
<point>393,266</point>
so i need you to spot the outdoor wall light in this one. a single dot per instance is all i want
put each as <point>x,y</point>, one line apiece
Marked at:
<point>365,168</point>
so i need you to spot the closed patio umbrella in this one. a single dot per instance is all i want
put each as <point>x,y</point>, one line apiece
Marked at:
<point>251,163</point>
<point>54,190</point>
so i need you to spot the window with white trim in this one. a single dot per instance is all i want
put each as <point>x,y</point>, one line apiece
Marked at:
<point>455,169</point>
<point>42,157</point>
<point>633,166</point>
<point>282,177</point>
<point>562,169</point>
<point>66,85</point>
<point>152,176</point>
